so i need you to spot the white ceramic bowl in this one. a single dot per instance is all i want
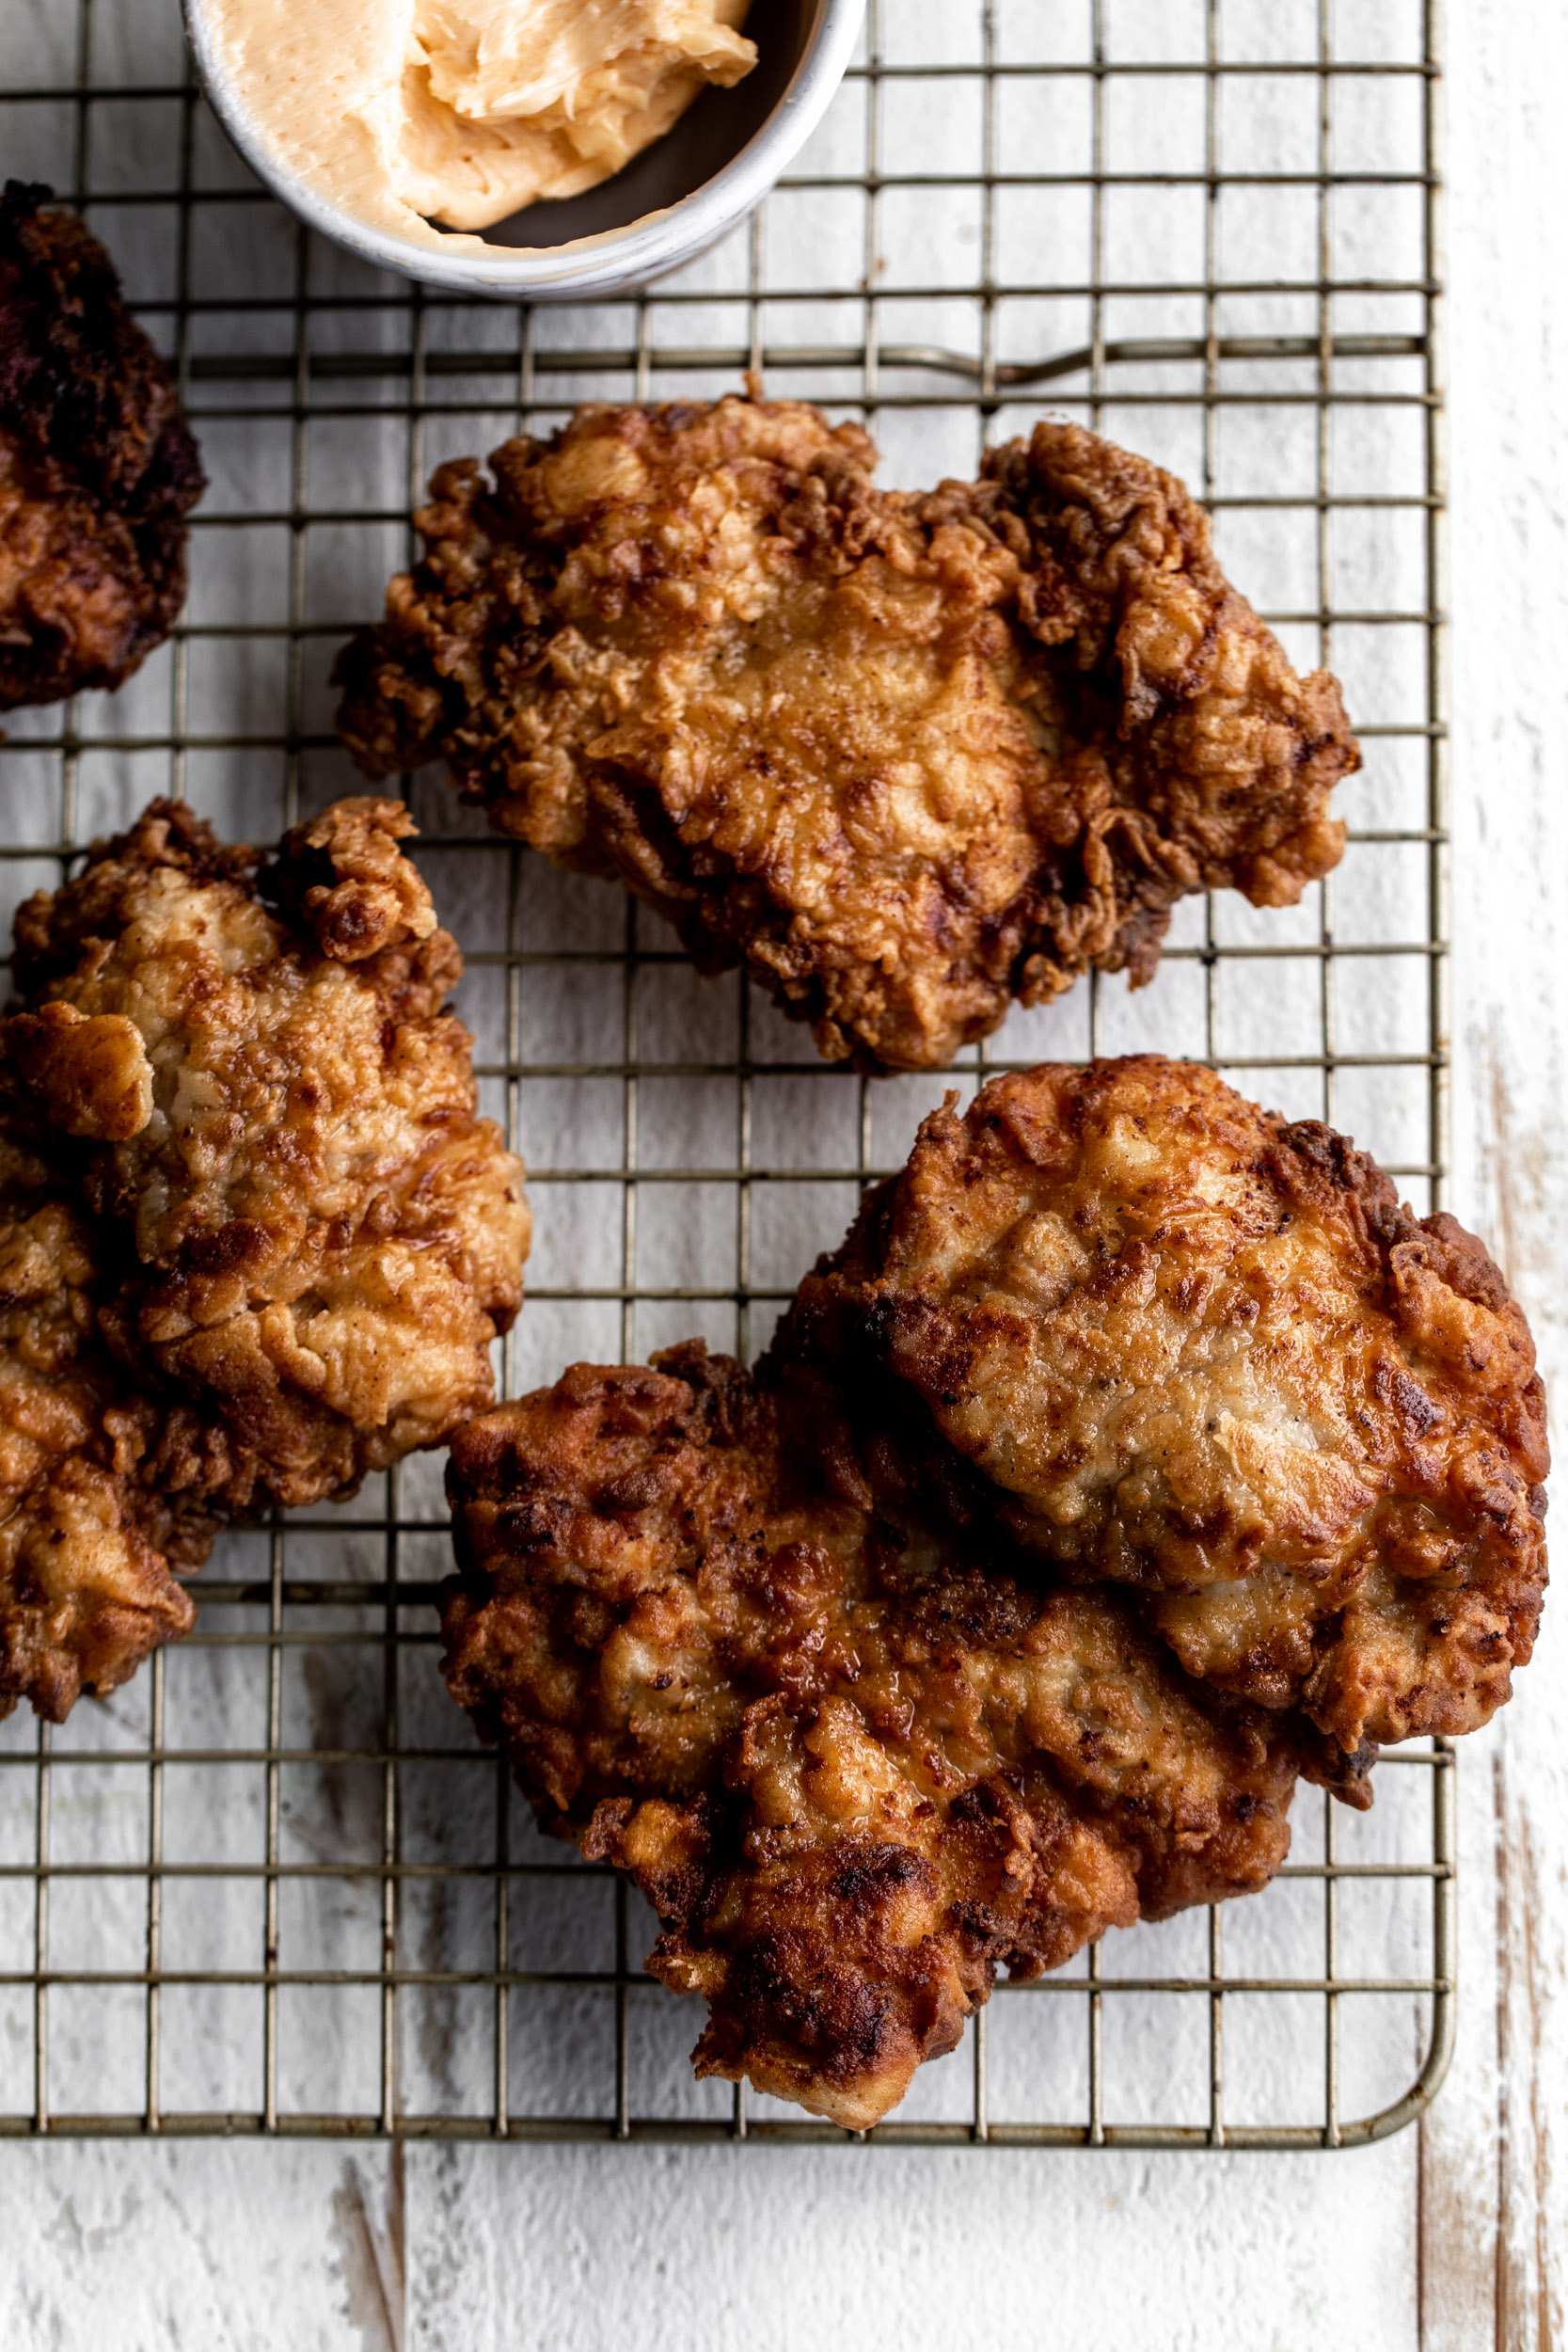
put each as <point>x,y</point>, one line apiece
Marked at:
<point>677,198</point>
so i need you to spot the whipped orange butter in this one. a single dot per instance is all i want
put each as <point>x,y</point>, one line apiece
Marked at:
<point>405,112</point>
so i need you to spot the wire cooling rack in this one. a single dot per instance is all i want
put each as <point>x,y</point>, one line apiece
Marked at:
<point>274,1886</point>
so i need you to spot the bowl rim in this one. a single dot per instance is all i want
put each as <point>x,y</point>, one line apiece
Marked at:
<point>614,261</point>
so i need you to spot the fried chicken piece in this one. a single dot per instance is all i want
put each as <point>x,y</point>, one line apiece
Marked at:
<point>1136,1451</point>
<point>1183,1346</point>
<point>272,1242</point>
<point>98,469</point>
<point>906,757</point>
<point>854,1765</point>
<point>326,1239</point>
<point>86,1546</point>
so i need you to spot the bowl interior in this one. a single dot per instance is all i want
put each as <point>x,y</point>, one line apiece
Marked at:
<point>709,136</point>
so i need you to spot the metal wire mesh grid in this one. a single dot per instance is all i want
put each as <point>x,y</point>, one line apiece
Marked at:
<point>271,1886</point>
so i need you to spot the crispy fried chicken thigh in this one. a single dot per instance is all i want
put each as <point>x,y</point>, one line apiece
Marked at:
<point>98,469</point>
<point>258,1243</point>
<point>85,1544</point>
<point>854,1765</point>
<point>907,757</point>
<point>1136,1451</point>
<point>1188,1348</point>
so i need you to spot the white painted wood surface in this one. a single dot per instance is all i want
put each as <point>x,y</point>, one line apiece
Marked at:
<point>1449,2238</point>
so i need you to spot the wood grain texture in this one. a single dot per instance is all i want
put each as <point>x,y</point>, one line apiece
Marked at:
<point>1494,2153</point>
<point>194,2248</point>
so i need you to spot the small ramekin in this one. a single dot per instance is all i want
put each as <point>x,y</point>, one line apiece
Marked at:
<point>616,260</point>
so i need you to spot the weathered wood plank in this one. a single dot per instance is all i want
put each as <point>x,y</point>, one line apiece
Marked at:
<point>1495,2207</point>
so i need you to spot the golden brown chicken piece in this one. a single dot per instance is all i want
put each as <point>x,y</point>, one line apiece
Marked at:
<point>1135,1452</point>
<point>907,757</point>
<point>86,1546</point>
<point>855,1764</point>
<point>261,1244</point>
<point>326,1239</point>
<point>98,469</point>
<point>1190,1349</point>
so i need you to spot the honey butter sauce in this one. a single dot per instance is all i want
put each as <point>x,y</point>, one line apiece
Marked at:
<point>405,112</point>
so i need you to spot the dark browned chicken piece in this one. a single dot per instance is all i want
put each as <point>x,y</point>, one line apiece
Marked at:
<point>907,757</point>
<point>1183,1346</point>
<point>98,469</point>
<point>259,1242</point>
<point>855,1763</point>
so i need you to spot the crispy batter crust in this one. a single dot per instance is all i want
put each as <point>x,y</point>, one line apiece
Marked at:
<point>98,469</point>
<point>1205,1353</point>
<point>907,757</point>
<point>1136,1451</point>
<point>263,1244</point>
<point>855,1764</point>
<point>86,1545</point>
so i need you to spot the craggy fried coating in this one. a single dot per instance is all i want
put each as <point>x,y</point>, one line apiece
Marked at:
<point>855,1766</point>
<point>86,1545</point>
<point>907,757</point>
<point>1204,1354</point>
<point>264,1243</point>
<point>98,469</point>
<point>1136,1451</point>
<point>326,1239</point>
